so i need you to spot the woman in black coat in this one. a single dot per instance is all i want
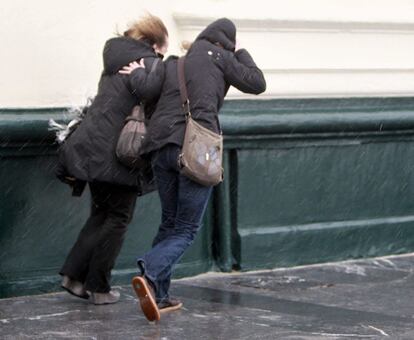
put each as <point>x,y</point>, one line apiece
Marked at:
<point>88,155</point>
<point>211,67</point>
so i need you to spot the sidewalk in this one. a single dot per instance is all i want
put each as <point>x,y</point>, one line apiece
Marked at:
<point>367,299</point>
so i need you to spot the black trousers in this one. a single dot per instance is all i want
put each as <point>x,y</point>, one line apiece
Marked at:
<point>93,256</point>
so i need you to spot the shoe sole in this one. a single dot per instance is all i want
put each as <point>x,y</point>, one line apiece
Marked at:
<point>147,302</point>
<point>96,302</point>
<point>85,297</point>
<point>103,303</point>
<point>172,308</point>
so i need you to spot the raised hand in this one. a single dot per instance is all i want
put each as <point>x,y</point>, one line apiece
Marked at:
<point>132,66</point>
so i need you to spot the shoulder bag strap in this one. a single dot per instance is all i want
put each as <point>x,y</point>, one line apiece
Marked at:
<point>185,102</point>
<point>154,65</point>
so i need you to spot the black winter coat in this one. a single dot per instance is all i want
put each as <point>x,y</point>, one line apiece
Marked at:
<point>211,67</point>
<point>89,153</point>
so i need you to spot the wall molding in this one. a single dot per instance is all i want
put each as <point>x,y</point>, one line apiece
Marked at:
<point>195,22</point>
<point>389,220</point>
<point>336,70</point>
<point>236,95</point>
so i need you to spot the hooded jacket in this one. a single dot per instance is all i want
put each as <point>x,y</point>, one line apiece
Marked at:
<point>211,67</point>
<point>89,153</point>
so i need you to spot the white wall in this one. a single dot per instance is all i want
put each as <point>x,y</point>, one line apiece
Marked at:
<point>51,50</point>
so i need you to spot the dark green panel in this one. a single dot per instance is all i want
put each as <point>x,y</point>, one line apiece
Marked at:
<point>325,183</point>
<point>300,204</point>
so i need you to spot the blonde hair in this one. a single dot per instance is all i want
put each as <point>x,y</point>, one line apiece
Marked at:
<point>149,28</point>
<point>186,45</point>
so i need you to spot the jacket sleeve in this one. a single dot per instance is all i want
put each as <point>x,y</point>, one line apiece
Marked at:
<point>241,72</point>
<point>146,83</point>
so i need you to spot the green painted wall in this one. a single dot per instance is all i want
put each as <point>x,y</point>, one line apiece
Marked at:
<point>307,181</point>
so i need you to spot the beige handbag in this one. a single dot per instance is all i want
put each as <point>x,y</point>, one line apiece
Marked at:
<point>201,157</point>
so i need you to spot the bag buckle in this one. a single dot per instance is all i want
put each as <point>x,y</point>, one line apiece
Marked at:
<point>180,161</point>
<point>186,108</point>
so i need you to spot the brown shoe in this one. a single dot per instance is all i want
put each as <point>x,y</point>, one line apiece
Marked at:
<point>169,305</point>
<point>146,298</point>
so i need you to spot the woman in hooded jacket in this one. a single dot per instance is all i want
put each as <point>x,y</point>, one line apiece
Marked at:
<point>89,156</point>
<point>211,66</point>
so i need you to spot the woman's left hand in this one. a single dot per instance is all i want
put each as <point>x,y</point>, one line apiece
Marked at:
<point>132,66</point>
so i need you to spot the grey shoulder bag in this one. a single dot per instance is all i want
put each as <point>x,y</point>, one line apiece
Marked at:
<point>130,139</point>
<point>201,156</point>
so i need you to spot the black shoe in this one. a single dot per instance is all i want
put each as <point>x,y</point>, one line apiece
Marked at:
<point>74,287</point>
<point>169,305</point>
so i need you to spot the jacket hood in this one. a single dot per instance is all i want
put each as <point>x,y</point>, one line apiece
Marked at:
<point>221,31</point>
<point>120,51</point>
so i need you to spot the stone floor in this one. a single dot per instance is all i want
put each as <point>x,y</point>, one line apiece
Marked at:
<point>368,299</point>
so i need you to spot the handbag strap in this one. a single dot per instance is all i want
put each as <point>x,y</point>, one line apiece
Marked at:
<point>185,102</point>
<point>137,114</point>
<point>138,110</point>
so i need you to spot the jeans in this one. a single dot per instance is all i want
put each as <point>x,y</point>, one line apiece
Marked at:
<point>183,204</point>
<point>93,255</point>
